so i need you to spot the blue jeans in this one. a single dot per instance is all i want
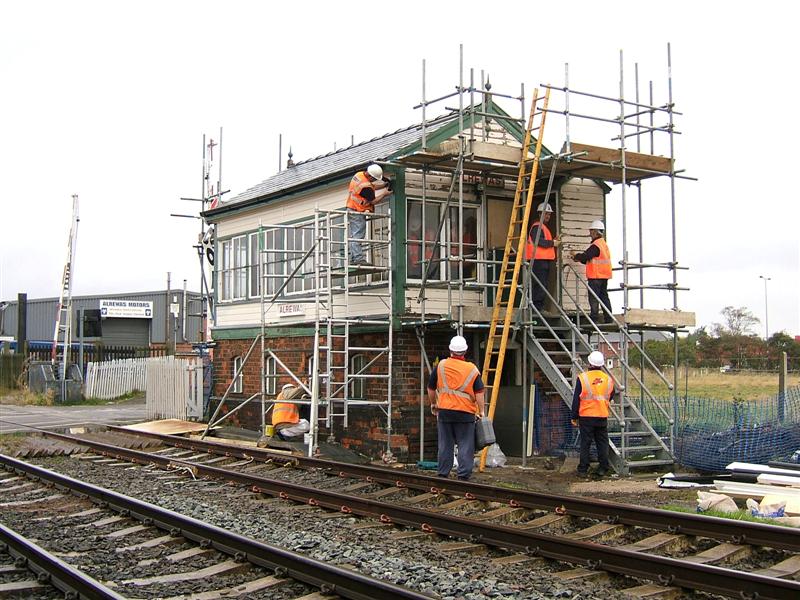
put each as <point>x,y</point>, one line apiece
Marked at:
<point>456,434</point>
<point>358,229</point>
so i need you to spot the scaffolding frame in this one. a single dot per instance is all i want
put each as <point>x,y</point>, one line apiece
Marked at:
<point>335,284</point>
<point>630,125</point>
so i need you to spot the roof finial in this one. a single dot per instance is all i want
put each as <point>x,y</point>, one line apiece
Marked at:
<point>290,162</point>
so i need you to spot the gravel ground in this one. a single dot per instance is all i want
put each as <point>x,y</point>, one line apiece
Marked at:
<point>416,562</point>
<point>45,593</point>
<point>90,550</point>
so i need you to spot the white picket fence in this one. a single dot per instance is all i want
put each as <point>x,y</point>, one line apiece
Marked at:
<point>115,378</point>
<point>174,388</point>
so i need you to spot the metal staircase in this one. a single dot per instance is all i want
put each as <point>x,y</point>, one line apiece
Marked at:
<point>555,344</point>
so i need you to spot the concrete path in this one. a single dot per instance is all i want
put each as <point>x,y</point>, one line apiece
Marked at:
<point>15,418</point>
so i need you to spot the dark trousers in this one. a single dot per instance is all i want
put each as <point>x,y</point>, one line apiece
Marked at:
<point>593,429</point>
<point>461,435</point>
<point>599,287</point>
<point>541,271</point>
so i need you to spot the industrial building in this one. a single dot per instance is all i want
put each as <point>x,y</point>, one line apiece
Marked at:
<point>139,319</point>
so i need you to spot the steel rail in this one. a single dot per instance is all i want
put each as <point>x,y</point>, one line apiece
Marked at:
<point>52,570</point>
<point>667,571</point>
<point>740,532</point>
<point>329,578</point>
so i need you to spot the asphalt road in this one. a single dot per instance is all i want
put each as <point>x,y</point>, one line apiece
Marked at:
<point>16,418</point>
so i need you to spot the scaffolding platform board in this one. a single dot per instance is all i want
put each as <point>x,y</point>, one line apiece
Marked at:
<point>356,270</point>
<point>605,164</point>
<point>644,317</point>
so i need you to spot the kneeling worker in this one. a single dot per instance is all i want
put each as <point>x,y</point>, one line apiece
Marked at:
<point>456,393</point>
<point>590,407</point>
<point>286,416</point>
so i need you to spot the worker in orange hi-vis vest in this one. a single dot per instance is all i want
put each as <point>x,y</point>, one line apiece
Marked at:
<point>543,253</point>
<point>590,407</point>
<point>597,259</point>
<point>456,394</point>
<point>366,189</point>
<point>286,415</point>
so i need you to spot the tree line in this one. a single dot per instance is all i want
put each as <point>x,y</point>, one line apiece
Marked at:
<point>731,342</point>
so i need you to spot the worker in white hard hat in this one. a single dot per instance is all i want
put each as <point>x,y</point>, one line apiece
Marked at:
<point>286,415</point>
<point>456,394</point>
<point>367,188</point>
<point>541,250</point>
<point>594,390</point>
<point>597,259</point>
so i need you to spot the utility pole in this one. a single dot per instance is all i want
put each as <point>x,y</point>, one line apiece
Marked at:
<point>766,307</point>
<point>167,327</point>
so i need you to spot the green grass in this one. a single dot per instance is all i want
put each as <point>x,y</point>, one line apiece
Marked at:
<point>709,383</point>
<point>740,515</point>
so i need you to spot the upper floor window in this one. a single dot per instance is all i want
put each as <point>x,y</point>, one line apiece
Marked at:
<point>268,258</point>
<point>233,268</point>
<point>441,259</point>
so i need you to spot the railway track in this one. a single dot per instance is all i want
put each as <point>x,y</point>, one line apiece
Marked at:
<point>36,573</point>
<point>565,529</point>
<point>140,550</point>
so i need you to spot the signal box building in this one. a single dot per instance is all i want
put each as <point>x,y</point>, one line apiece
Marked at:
<point>289,305</point>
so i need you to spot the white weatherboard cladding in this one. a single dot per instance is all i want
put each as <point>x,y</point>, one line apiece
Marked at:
<point>283,211</point>
<point>436,300</point>
<point>582,201</point>
<point>248,314</point>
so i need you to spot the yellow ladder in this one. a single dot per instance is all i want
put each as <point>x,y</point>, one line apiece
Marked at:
<point>514,254</point>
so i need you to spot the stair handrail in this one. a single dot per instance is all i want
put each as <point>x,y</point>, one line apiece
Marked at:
<point>629,338</point>
<point>622,329</point>
<point>565,318</point>
<point>577,363</point>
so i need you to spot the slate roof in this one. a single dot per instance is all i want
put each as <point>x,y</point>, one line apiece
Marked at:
<point>340,161</point>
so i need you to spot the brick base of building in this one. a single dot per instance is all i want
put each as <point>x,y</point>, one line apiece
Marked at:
<point>367,428</point>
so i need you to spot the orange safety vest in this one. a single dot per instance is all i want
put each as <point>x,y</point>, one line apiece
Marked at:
<point>599,267</point>
<point>359,182</point>
<point>454,385</point>
<point>414,249</point>
<point>596,390</point>
<point>285,412</point>
<point>537,252</point>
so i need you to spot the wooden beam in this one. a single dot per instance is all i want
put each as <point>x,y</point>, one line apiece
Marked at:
<point>633,160</point>
<point>656,318</point>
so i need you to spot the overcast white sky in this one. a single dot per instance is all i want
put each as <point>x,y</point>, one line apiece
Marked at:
<point>110,100</point>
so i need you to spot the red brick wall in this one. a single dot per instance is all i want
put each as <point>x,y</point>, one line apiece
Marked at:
<point>366,432</point>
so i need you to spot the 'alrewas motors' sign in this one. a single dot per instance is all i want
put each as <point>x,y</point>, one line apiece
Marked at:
<point>130,309</point>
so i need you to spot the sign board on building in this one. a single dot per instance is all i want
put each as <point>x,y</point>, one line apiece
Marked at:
<point>127,309</point>
<point>482,179</point>
<point>290,310</point>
